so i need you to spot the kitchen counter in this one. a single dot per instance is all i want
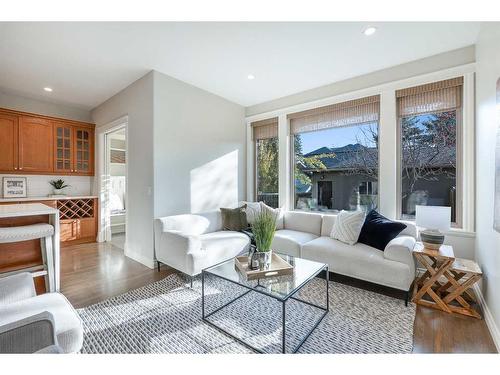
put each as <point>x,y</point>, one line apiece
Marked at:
<point>46,198</point>
<point>29,209</point>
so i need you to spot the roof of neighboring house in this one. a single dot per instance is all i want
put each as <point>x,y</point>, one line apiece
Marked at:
<point>357,156</point>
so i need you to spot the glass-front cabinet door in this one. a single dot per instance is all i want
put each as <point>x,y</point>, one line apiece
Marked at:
<point>83,151</point>
<point>63,150</point>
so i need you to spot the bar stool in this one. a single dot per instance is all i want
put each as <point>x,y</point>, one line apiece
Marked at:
<point>42,231</point>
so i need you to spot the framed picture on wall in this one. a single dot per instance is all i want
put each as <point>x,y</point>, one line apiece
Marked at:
<point>14,187</point>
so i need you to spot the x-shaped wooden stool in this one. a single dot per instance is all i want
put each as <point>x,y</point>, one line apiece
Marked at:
<point>440,263</point>
<point>437,263</point>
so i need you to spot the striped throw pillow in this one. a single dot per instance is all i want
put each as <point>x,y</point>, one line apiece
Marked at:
<point>348,226</point>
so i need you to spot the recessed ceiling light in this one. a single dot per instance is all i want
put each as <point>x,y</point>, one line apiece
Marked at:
<point>250,76</point>
<point>48,89</point>
<point>370,30</point>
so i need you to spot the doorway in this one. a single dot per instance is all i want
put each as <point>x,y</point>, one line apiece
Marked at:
<point>325,194</point>
<point>116,181</point>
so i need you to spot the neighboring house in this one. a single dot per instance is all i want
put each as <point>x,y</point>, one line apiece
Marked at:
<point>350,179</point>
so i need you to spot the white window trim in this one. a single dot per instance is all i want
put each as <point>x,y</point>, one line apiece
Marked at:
<point>388,173</point>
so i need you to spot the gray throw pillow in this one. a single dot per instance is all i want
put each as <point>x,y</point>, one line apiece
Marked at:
<point>234,218</point>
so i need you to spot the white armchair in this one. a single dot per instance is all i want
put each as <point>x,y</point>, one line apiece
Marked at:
<point>46,323</point>
<point>192,242</point>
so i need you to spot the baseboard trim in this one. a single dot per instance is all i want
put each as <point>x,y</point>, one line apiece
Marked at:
<point>139,258</point>
<point>488,317</point>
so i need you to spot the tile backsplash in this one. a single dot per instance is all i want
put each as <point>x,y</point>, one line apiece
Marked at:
<point>38,186</point>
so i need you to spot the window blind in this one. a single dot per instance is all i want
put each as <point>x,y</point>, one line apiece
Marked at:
<point>265,129</point>
<point>352,112</point>
<point>434,97</point>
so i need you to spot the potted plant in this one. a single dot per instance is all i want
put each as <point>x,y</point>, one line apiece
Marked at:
<point>263,229</point>
<point>58,186</point>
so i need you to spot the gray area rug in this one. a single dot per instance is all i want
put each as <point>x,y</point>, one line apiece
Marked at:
<point>165,317</point>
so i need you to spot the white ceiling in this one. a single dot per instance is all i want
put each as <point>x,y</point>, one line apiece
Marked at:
<point>86,63</point>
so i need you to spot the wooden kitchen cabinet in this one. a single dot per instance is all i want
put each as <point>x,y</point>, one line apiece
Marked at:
<point>73,149</point>
<point>63,148</point>
<point>8,142</point>
<point>36,144</point>
<point>78,230</point>
<point>78,220</point>
<point>83,151</point>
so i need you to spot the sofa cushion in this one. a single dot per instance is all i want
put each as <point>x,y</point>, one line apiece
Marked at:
<point>327,224</point>
<point>303,222</point>
<point>347,226</point>
<point>279,213</point>
<point>234,219</point>
<point>253,209</point>
<point>289,242</point>
<point>410,230</point>
<point>378,230</point>
<point>359,261</point>
<point>68,325</point>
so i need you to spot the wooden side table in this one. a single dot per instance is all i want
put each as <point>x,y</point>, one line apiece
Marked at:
<point>460,275</point>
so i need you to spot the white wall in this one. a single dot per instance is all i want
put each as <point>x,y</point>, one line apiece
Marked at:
<point>199,149</point>
<point>186,153</point>
<point>136,102</point>
<point>20,103</point>
<point>427,65</point>
<point>487,239</point>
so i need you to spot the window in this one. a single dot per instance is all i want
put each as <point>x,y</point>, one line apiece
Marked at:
<point>335,151</point>
<point>430,128</point>
<point>265,136</point>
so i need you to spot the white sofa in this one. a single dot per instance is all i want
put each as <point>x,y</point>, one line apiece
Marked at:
<point>307,235</point>
<point>192,242</point>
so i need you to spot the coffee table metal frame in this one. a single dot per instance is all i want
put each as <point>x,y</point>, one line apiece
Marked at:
<point>258,288</point>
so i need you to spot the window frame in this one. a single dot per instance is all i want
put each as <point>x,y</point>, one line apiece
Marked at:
<point>388,127</point>
<point>459,202</point>
<point>256,166</point>
<point>292,167</point>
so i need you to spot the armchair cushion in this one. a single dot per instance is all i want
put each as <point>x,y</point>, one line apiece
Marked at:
<point>32,334</point>
<point>67,323</point>
<point>16,288</point>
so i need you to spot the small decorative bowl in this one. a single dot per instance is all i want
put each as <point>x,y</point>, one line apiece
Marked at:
<point>432,239</point>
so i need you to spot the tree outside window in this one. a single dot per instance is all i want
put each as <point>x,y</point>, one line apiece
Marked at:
<point>429,161</point>
<point>267,172</point>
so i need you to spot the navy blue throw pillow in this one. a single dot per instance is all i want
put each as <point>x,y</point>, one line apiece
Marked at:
<point>378,231</point>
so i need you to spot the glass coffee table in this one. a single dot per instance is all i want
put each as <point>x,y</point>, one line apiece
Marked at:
<point>283,289</point>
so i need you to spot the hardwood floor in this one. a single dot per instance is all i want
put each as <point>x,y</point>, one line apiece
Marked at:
<point>94,272</point>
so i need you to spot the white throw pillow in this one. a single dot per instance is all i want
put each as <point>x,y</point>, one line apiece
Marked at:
<point>253,209</point>
<point>348,226</point>
<point>278,212</point>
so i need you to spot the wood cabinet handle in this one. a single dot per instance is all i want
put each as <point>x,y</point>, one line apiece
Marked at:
<point>15,167</point>
<point>20,167</point>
